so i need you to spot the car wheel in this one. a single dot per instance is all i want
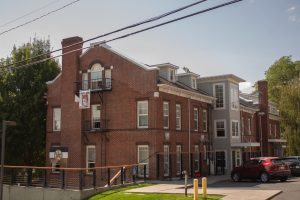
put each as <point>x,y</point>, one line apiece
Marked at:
<point>235,177</point>
<point>264,177</point>
<point>283,179</point>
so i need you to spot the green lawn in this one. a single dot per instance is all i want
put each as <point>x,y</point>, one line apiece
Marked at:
<point>121,194</point>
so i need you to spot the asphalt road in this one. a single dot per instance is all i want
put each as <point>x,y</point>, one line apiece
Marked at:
<point>290,188</point>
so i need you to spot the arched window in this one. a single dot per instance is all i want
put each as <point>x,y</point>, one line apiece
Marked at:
<point>96,76</point>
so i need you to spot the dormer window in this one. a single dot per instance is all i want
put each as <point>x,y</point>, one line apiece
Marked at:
<point>172,75</point>
<point>194,83</point>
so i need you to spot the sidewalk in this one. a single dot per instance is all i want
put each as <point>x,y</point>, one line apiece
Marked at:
<point>177,187</point>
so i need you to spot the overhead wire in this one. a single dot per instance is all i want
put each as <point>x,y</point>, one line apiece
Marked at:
<point>152,19</point>
<point>136,32</point>
<point>29,13</point>
<point>40,17</point>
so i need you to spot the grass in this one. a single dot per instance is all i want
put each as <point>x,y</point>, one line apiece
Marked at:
<point>121,194</point>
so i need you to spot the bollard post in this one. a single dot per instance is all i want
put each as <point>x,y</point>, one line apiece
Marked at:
<point>185,182</point>
<point>204,187</point>
<point>196,189</point>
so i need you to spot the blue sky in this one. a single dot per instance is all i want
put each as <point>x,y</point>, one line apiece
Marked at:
<point>243,39</point>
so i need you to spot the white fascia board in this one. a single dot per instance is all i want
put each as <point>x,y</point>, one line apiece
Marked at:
<point>185,93</point>
<point>246,144</point>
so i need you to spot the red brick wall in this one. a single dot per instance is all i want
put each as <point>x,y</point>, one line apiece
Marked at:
<point>130,83</point>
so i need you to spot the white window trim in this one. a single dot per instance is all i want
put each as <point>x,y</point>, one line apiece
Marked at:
<point>238,136</point>
<point>204,111</point>
<point>234,87</point>
<point>168,174</point>
<point>178,106</point>
<point>224,95</point>
<point>249,126</point>
<point>54,120</point>
<point>235,159</point>
<point>194,80</point>
<point>168,115</point>
<point>147,163</point>
<point>94,119</point>
<point>226,157</point>
<point>198,157</point>
<point>215,127</point>
<point>170,75</point>
<point>86,157</point>
<point>138,118</point>
<point>196,128</point>
<point>180,161</point>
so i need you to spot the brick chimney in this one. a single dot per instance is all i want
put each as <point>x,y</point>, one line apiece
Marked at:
<point>70,112</point>
<point>264,114</point>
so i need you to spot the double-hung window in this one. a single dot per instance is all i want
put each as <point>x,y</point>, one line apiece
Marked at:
<point>249,126</point>
<point>197,161</point>
<point>194,83</point>
<point>90,157</point>
<point>142,114</point>
<point>219,94</point>
<point>96,116</point>
<point>166,160</point>
<point>56,119</point>
<point>234,128</point>
<point>166,114</point>
<point>178,160</point>
<point>220,128</point>
<point>143,158</point>
<point>204,120</point>
<point>96,77</point>
<point>85,81</point>
<point>178,117</point>
<point>234,97</point>
<point>196,121</point>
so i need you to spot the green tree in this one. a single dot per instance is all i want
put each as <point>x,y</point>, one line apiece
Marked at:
<point>22,99</point>
<point>284,89</point>
<point>280,74</point>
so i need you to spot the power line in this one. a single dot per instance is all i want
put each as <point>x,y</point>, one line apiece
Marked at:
<point>115,31</point>
<point>136,32</point>
<point>31,12</point>
<point>40,17</point>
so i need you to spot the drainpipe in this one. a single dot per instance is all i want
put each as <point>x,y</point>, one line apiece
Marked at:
<point>189,107</point>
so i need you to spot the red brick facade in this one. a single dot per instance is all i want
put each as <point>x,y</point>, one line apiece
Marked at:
<point>117,145</point>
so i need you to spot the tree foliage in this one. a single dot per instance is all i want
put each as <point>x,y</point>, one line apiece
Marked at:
<point>22,99</point>
<point>284,89</point>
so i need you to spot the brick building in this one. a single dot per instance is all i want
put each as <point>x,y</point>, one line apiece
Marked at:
<point>137,114</point>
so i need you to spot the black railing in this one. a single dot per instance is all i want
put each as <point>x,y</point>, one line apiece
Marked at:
<point>95,125</point>
<point>73,178</point>
<point>102,84</point>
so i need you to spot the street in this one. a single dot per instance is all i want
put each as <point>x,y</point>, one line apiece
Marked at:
<point>290,188</point>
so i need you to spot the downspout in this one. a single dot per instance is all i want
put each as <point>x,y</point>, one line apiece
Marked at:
<point>189,108</point>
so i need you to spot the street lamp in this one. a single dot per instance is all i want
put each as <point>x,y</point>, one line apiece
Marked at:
<point>4,124</point>
<point>260,132</point>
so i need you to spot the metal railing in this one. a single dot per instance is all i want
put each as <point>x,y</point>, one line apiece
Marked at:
<point>101,84</point>
<point>73,178</point>
<point>95,125</point>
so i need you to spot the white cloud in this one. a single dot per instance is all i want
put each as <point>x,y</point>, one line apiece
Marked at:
<point>291,9</point>
<point>292,18</point>
<point>246,87</point>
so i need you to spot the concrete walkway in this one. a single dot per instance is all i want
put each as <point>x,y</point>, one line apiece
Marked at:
<point>177,187</point>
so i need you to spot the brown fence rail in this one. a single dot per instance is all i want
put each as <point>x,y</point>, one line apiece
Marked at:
<point>74,178</point>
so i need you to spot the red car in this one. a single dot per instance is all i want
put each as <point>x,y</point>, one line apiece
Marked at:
<point>263,168</point>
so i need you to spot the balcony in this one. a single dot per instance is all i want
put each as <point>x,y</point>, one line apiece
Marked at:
<point>95,85</point>
<point>95,125</point>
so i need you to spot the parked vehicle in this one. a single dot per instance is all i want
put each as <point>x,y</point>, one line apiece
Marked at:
<point>294,165</point>
<point>296,157</point>
<point>263,168</point>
